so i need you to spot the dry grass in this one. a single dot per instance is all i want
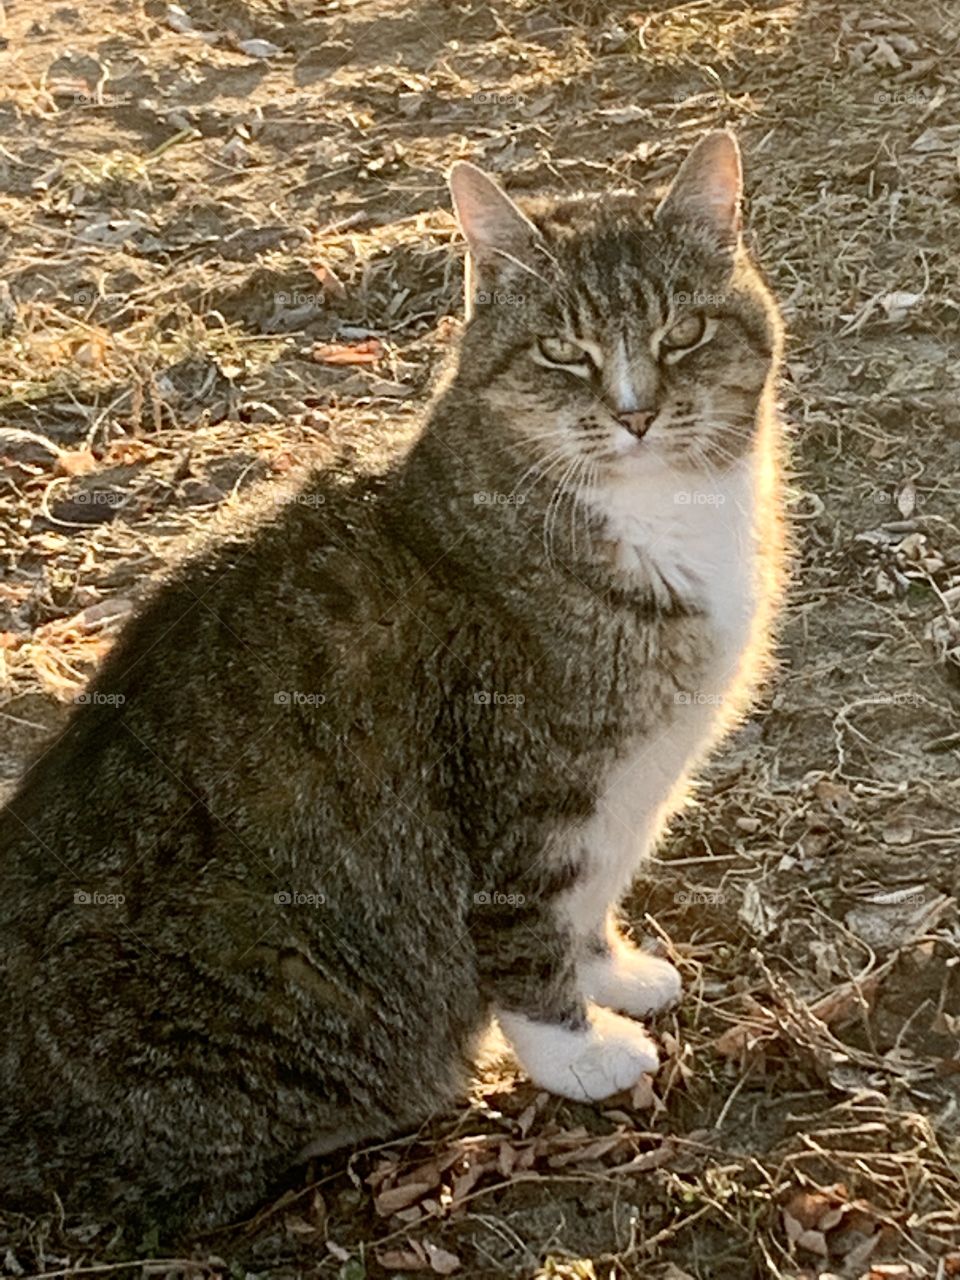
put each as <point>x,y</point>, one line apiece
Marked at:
<point>183,224</point>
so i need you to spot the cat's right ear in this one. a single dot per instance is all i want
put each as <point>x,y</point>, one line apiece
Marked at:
<point>498,233</point>
<point>707,192</point>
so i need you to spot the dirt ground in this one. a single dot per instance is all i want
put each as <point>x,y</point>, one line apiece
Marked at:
<point>203,211</point>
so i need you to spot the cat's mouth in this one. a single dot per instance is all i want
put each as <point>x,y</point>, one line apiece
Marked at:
<point>632,439</point>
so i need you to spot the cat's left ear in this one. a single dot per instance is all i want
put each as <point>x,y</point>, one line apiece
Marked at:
<point>497,232</point>
<point>708,189</point>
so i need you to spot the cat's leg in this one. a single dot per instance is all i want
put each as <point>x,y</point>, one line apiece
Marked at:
<point>611,970</point>
<point>586,1058</point>
<point>616,974</point>
<point>564,1043</point>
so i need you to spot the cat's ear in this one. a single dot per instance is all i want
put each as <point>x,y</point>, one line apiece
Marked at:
<point>708,188</point>
<point>497,232</point>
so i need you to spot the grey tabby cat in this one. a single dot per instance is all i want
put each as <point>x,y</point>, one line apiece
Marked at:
<point>381,763</point>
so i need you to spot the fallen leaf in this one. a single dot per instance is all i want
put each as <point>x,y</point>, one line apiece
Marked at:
<point>643,1098</point>
<point>803,1238</point>
<point>944,138</point>
<point>124,452</point>
<point>654,1159</point>
<point>897,921</point>
<point>99,615</point>
<point>328,279</point>
<point>442,1262</point>
<point>897,304</point>
<point>177,19</point>
<point>402,1260</point>
<point>259,48</point>
<point>845,1003</point>
<point>591,1151</point>
<point>236,152</point>
<point>369,351</point>
<point>907,500</point>
<point>757,914</point>
<point>834,797</point>
<point>395,1198</point>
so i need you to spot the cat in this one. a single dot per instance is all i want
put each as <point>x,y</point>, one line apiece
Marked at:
<point>380,763</point>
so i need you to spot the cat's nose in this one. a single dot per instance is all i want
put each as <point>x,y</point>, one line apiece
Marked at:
<point>637,423</point>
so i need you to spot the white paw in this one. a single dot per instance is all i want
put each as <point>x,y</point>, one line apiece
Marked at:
<point>611,1053</point>
<point>629,980</point>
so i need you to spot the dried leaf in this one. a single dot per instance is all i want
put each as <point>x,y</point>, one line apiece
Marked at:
<point>845,1003</point>
<point>834,797</point>
<point>654,1159</point>
<point>757,914</point>
<point>897,920</point>
<point>442,1261</point>
<point>591,1151</point>
<point>402,1260</point>
<point>506,1159</point>
<point>643,1098</point>
<point>741,1039</point>
<point>77,462</point>
<point>370,351</point>
<point>395,1198</point>
<point>907,500</point>
<point>177,19</point>
<point>259,48</point>
<point>897,304</point>
<point>102,614</point>
<point>464,1183</point>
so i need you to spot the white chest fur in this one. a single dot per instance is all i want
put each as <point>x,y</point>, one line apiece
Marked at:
<point>692,538</point>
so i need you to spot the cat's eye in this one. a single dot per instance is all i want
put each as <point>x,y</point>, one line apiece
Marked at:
<point>688,332</point>
<point>563,351</point>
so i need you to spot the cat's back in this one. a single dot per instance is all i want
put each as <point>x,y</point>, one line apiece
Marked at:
<point>226,694</point>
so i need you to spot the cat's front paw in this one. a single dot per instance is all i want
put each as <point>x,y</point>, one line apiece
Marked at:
<point>609,1054</point>
<point>629,980</point>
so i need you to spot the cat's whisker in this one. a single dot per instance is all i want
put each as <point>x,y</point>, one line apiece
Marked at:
<point>575,503</point>
<point>581,503</point>
<point>543,466</point>
<point>554,507</point>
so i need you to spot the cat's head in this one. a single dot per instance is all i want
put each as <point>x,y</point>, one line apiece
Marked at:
<point>598,329</point>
